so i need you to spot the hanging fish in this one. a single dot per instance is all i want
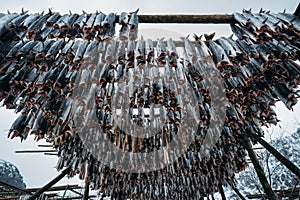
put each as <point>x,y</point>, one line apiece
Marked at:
<point>80,51</point>
<point>133,23</point>
<point>98,22</point>
<point>123,18</point>
<point>89,24</point>
<point>80,21</point>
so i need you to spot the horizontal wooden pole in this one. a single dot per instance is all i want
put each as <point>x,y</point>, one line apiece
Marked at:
<point>186,19</point>
<point>20,190</point>
<point>57,188</point>
<point>282,193</point>
<point>35,151</point>
<point>45,145</point>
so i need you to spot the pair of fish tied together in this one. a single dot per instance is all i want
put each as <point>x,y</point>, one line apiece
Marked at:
<point>104,98</point>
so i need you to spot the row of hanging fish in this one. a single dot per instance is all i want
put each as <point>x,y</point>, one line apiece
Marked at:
<point>150,85</point>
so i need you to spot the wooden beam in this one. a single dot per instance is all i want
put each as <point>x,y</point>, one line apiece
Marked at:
<point>35,151</point>
<point>221,190</point>
<point>57,188</point>
<point>45,145</point>
<point>50,184</point>
<point>185,19</point>
<point>291,166</point>
<point>86,189</point>
<point>281,193</point>
<point>20,190</point>
<point>260,172</point>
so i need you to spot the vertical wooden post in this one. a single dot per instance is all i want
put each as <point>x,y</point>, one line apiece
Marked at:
<point>50,184</point>
<point>86,189</point>
<point>260,172</point>
<point>291,166</point>
<point>237,191</point>
<point>222,192</point>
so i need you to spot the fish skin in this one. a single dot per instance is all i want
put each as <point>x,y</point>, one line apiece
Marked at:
<point>109,21</point>
<point>124,32</point>
<point>54,49</point>
<point>98,21</point>
<point>140,53</point>
<point>80,51</point>
<point>91,50</point>
<point>63,20</point>
<point>4,21</point>
<point>89,24</point>
<point>121,53</point>
<point>38,24</point>
<point>133,23</point>
<point>70,22</point>
<point>80,21</point>
<point>218,53</point>
<point>12,53</point>
<point>16,22</point>
<point>123,18</point>
<point>190,49</point>
<point>26,48</point>
<point>230,51</point>
<point>52,19</point>
<point>29,20</point>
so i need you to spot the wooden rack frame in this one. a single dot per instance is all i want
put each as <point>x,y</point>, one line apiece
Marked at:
<point>188,19</point>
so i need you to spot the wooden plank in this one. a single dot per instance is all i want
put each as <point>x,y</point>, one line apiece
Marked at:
<point>45,145</point>
<point>186,19</point>
<point>50,184</point>
<point>281,193</point>
<point>57,188</point>
<point>20,190</point>
<point>35,151</point>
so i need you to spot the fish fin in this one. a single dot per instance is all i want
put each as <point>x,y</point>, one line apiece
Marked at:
<point>42,13</point>
<point>284,10</point>
<point>277,23</point>
<point>293,19</point>
<point>135,12</point>
<point>50,11</point>
<point>267,12</point>
<point>265,20</point>
<point>84,12</point>
<point>261,10</point>
<point>209,36</point>
<point>8,12</point>
<point>70,12</point>
<point>197,37</point>
<point>230,36</point>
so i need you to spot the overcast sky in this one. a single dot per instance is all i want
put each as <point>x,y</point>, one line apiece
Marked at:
<point>37,169</point>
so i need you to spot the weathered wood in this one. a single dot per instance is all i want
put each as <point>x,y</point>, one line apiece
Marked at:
<point>20,190</point>
<point>45,145</point>
<point>237,191</point>
<point>291,166</point>
<point>57,188</point>
<point>221,190</point>
<point>35,151</point>
<point>281,193</point>
<point>86,189</point>
<point>186,19</point>
<point>50,184</point>
<point>260,172</point>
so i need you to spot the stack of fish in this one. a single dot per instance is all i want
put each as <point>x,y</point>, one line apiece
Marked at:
<point>45,59</point>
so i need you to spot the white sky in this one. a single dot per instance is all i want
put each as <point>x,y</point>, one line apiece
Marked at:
<point>38,169</point>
